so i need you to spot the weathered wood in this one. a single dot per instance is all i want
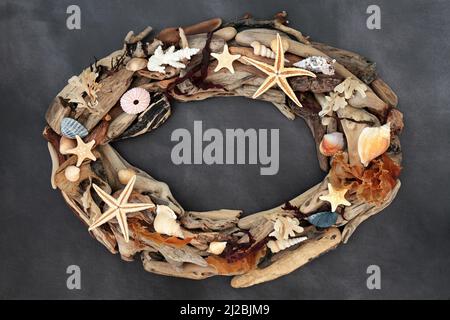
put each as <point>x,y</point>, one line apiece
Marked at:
<point>151,118</point>
<point>385,92</point>
<point>321,84</point>
<point>355,63</point>
<point>290,261</point>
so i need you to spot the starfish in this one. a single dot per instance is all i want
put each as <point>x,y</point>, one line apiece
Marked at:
<point>278,74</point>
<point>83,150</point>
<point>335,197</point>
<point>225,59</point>
<point>118,208</point>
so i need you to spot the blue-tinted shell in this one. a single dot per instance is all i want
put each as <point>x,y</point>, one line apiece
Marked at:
<point>71,128</point>
<point>323,219</point>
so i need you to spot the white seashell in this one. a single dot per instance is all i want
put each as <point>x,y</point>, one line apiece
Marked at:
<point>217,247</point>
<point>136,64</point>
<point>317,64</point>
<point>125,175</point>
<point>373,142</point>
<point>71,128</point>
<point>332,143</point>
<point>135,100</point>
<point>72,173</point>
<point>261,50</point>
<point>66,144</point>
<point>278,245</point>
<point>166,222</point>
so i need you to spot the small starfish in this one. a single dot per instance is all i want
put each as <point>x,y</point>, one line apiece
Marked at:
<point>278,74</point>
<point>83,151</point>
<point>225,59</point>
<point>335,197</point>
<point>118,208</point>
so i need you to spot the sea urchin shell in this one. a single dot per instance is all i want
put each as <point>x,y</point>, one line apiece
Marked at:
<point>135,100</point>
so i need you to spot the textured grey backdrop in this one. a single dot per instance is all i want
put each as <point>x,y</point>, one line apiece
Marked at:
<point>40,236</point>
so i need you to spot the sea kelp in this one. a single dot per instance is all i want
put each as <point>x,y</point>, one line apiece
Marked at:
<point>371,184</point>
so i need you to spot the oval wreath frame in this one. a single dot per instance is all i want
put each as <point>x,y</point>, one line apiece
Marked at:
<point>351,112</point>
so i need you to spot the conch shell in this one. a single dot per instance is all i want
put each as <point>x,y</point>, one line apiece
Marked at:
<point>332,143</point>
<point>373,142</point>
<point>166,222</point>
<point>278,245</point>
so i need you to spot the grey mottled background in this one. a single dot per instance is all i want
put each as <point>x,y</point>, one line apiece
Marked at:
<point>40,236</point>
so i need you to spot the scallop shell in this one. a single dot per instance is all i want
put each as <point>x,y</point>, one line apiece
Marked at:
<point>71,128</point>
<point>373,142</point>
<point>135,100</point>
<point>166,222</point>
<point>278,245</point>
<point>332,143</point>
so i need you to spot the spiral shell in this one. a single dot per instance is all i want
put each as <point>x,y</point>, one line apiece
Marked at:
<point>373,142</point>
<point>332,143</point>
<point>261,50</point>
<point>71,128</point>
<point>135,100</point>
<point>278,245</point>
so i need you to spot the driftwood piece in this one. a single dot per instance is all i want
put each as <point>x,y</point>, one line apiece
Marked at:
<point>371,210</point>
<point>355,63</point>
<point>385,92</point>
<point>294,259</point>
<point>151,118</point>
<point>321,84</point>
<point>113,87</point>
<point>211,220</point>
<point>187,270</point>
<point>279,22</point>
<point>198,41</point>
<point>352,130</point>
<point>172,36</point>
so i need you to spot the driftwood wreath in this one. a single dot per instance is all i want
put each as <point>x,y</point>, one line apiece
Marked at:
<point>351,113</point>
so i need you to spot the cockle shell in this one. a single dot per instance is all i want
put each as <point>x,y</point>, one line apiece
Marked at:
<point>71,128</point>
<point>332,143</point>
<point>135,100</point>
<point>125,175</point>
<point>373,142</point>
<point>217,247</point>
<point>166,222</point>
<point>72,173</point>
<point>136,64</point>
<point>278,245</point>
<point>66,144</point>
